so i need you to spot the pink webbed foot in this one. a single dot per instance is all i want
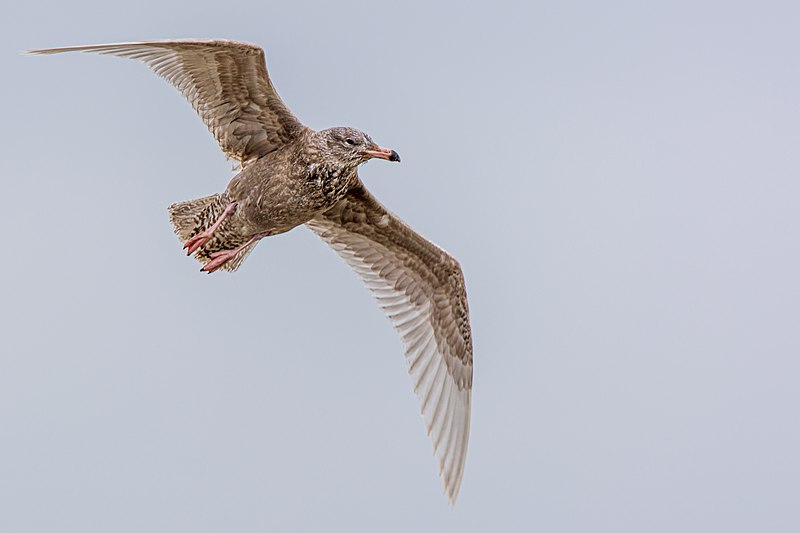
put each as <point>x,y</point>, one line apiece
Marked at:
<point>196,242</point>
<point>202,238</point>
<point>218,259</point>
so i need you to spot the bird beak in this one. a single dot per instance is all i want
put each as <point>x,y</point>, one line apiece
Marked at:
<point>382,153</point>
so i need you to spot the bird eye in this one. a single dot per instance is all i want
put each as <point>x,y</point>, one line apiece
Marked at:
<point>350,141</point>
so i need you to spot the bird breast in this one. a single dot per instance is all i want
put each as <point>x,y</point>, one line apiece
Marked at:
<point>332,184</point>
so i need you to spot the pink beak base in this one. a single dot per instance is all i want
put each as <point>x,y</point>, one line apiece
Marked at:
<point>383,153</point>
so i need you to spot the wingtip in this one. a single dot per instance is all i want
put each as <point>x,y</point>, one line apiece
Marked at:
<point>41,51</point>
<point>50,51</point>
<point>452,493</point>
<point>451,499</point>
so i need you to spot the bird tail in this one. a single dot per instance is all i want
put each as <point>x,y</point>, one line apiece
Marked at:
<point>191,217</point>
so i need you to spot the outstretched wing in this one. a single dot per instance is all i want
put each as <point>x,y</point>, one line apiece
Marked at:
<point>421,289</point>
<point>227,84</point>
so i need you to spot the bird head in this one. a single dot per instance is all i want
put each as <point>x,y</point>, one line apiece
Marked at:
<point>352,147</point>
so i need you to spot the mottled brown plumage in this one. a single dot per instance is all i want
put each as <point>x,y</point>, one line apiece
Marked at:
<point>279,191</point>
<point>292,175</point>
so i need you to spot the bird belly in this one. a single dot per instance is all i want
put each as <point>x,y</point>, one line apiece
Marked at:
<point>280,203</point>
<point>276,210</point>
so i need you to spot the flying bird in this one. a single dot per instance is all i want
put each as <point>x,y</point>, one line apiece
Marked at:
<point>290,175</point>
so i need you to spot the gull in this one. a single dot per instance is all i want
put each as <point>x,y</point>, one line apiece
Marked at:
<point>290,175</point>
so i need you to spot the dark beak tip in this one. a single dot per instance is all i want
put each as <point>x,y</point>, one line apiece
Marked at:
<point>394,156</point>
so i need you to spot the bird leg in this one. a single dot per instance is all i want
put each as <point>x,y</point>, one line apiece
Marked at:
<point>202,238</point>
<point>220,258</point>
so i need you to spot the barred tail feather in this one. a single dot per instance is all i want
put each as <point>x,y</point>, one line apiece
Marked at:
<point>193,216</point>
<point>187,217</point>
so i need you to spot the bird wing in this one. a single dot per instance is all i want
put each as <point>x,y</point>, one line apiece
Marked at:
<point>421,289</point>
<point>227,84</point>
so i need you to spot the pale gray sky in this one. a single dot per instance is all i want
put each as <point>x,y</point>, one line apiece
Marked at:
<point>619,180</point>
